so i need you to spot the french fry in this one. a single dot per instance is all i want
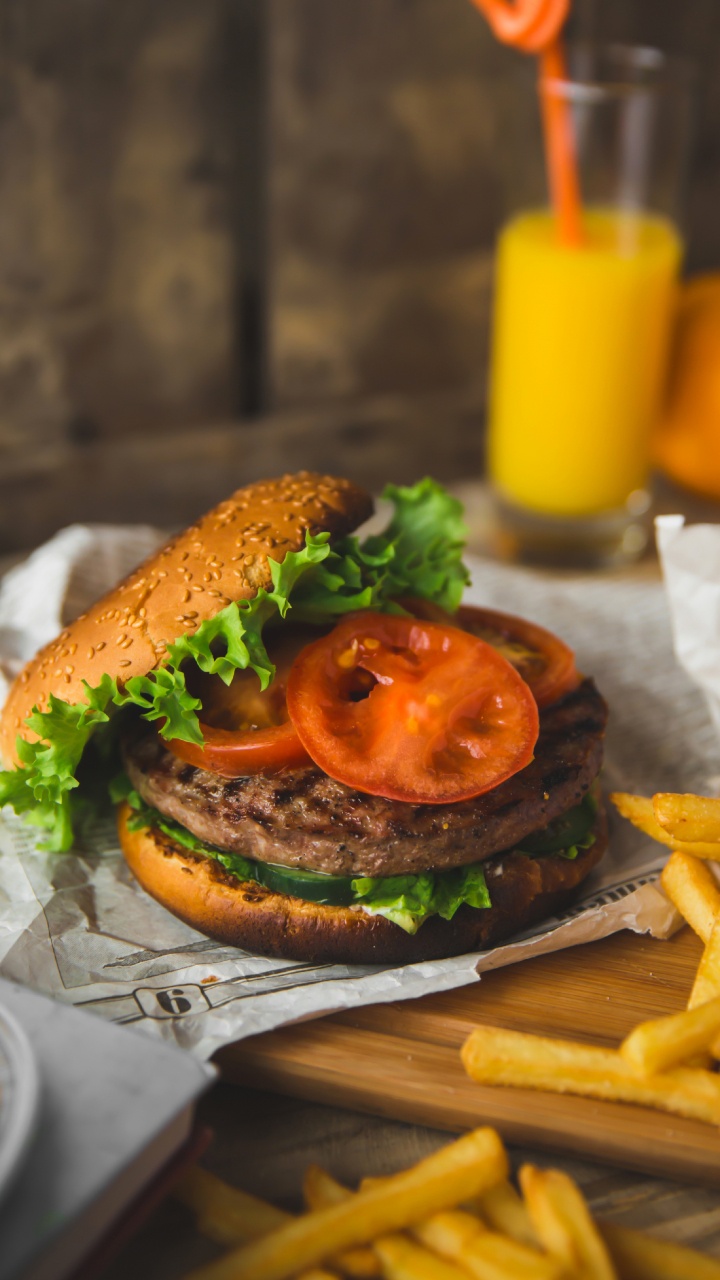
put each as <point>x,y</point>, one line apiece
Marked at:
<point>692,888</point>
<point>449,1232</point>
<point>639,810</point>
<point>453,1174</point>
<point>563,1223</point>
<point>641,1257</point>
<point>321,1189</point>
<point>707,979</point>
<point>706,986</point>
<point>495,1257</point>
<point>494,1056</point>
<point>224,1213</point>
<point>402,1259</point>
<point>230,1216</point>
<point>688,818</point>
<point>487,1255</point>
<point>664,1042</point>
<point>505,1211</point>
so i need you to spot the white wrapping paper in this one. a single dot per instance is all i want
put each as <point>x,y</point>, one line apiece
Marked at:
<point>78,927</point>
<point>690,559</point>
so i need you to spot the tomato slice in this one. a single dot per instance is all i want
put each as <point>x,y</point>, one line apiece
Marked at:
<point>544,661</point>
<point>411,710</point>
<point>248,730</point>
<point>234,755</point>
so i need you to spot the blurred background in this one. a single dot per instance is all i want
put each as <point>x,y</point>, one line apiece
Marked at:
<point>244,236</point>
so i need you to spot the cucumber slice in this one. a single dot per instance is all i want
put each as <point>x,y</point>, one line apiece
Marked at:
<point>332,891</point>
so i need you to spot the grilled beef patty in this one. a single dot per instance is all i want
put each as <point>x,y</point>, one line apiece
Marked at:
<point>303,818</point>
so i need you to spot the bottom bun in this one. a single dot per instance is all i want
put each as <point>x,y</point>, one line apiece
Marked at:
<point>244,914</point>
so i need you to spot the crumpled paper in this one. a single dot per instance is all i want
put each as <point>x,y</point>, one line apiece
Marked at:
<point>78,927</point>
<point>690,559</point>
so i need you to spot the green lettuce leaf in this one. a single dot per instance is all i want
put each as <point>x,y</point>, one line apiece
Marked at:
<point>418,555</point>
<point>41,788</point>
<point>229,642</point>
<point>408,900</point>
<point>428,533</point>
<point>144,816</point>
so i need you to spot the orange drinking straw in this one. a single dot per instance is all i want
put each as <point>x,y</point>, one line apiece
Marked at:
<point>534,26</point>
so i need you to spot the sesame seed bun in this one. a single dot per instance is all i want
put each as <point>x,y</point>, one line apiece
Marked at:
<point>523,890</point>
<point>223,557</point>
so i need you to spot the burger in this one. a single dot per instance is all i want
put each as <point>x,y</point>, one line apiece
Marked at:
<point>316,751</point>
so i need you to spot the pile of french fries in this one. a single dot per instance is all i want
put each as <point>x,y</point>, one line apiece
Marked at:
<point>667,1063</point>
<point>454,1216</point>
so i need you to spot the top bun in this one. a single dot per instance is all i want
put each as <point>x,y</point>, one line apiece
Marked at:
<point>223,557</point>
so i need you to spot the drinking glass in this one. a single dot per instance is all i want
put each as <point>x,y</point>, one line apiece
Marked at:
<point>581,330</point>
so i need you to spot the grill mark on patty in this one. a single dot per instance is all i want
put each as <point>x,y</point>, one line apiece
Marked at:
<point>556,777</point>
<point>303,818</point>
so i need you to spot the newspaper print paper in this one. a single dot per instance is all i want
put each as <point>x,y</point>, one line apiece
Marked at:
<point>77,927</point>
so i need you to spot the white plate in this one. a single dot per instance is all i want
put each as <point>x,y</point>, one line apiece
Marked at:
<point>19,1096</point>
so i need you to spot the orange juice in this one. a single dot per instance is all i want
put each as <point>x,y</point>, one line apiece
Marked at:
<point>579,348</point>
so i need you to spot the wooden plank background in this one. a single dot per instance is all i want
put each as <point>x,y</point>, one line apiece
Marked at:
<point>214,213</point>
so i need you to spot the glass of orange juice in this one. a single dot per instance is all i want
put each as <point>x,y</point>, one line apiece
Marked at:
<point>581,330</point>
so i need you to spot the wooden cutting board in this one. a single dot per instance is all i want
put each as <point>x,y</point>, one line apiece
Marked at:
<point>401,1060</point>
